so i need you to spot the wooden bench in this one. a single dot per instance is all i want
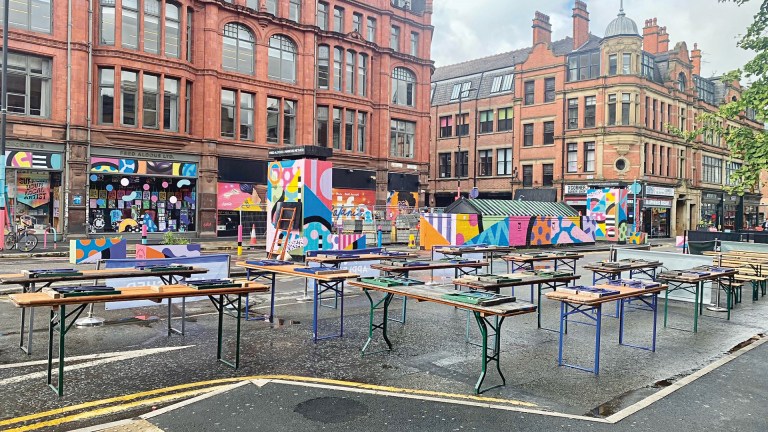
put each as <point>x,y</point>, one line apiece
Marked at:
<point>749,271</point>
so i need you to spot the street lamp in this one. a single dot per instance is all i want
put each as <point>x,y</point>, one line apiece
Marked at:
<point>462,95</point>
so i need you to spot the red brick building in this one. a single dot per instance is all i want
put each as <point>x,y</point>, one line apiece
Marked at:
<point>143,109</point>
<point>549,121</point>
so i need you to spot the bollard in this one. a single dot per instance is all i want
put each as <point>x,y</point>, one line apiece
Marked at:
<point>45,239</point>
<point>239,240</point>
<point>379,238</point>
<point>144,234</point>
<point>411,241</point>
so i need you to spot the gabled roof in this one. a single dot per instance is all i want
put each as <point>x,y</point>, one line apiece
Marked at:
<point>490,207</point>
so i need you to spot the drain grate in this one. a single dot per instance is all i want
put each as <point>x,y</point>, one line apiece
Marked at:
<point>331,409</point>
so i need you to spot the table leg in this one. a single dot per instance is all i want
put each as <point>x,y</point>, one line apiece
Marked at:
<point>58,319</point>
<point>729,295</point>
<point>666,304</point>
<point>699,288</point>
<point>655,312</point>
<point>384,305</point>
<point>25,288</point>
<point>560,339</point>
<point>597,338</point>
<point>220,304</point>
<point>495,355</point>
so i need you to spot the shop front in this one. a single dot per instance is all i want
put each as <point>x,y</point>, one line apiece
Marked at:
<point>354,195</point>
<point>241,197</point>
<point>753,217</point>
<point>657,210</point>
<point>575,195</point>
<point>34,180</point>
<point>731,213</point>
<point>711,211</point>
<point>130,189</point>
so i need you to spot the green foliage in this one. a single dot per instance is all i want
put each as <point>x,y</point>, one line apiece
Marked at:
<point>170,238</point>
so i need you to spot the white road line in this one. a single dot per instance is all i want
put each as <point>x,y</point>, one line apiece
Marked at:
<point>126,355</point>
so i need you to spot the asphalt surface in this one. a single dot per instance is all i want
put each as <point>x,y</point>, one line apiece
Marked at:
<point>429,354</point>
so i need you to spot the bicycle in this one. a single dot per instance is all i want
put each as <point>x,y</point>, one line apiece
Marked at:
<point>21,239</point>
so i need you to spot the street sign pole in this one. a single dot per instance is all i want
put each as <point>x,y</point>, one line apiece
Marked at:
<point>3,122</point>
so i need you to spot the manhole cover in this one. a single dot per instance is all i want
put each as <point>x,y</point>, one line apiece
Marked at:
<point>331,409</point>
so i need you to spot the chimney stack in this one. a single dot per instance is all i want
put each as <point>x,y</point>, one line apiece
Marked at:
<point>651,36</point>
<point>663,40</point>
<point>580,24</point>
<point>696,59</point>
<point>542,29</point>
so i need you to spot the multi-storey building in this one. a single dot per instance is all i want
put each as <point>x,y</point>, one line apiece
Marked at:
<point>550,121</point>
<point>156,111</point>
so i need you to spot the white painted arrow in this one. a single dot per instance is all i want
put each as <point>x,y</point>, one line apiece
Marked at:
<point>99,359</point>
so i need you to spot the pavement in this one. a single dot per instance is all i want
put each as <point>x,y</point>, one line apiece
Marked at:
<point>129,368</point>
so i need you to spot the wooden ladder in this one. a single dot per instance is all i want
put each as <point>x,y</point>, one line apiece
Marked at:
<point>282,233</point>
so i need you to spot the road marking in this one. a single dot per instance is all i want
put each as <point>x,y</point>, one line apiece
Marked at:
<point>114,358</point>
<point>83,357</point>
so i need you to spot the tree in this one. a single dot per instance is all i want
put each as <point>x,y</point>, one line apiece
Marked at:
<point>746,142</point>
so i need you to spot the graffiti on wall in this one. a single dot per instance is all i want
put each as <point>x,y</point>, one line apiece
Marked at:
<point>438,229</point>
<point>353,204</point>
<point>28,159</point>
<point>399,203</point>
<point>305,185</point>
<point>239,196</point>
<point>608,207</point>
<point>89,251</point>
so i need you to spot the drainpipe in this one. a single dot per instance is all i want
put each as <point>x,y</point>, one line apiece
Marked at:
<point>68,149</point>
<point>89,99</point>
<point>3,122</point>
<point>565,128</point>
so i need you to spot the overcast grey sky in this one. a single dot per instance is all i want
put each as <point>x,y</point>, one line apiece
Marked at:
<point>469,29</point>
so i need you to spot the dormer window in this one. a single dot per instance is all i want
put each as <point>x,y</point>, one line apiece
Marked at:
<point>681,82</point>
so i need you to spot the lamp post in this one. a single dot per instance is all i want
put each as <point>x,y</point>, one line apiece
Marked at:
<point>462,94</point>
<point>3,121</point>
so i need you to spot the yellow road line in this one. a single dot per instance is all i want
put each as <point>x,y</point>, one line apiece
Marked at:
<point>130,397</point>
<point>114,409</point>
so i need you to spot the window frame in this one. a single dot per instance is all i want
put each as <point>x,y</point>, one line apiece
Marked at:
<point>288,56</point>
<point>485,163</point>
<point>528,131</point>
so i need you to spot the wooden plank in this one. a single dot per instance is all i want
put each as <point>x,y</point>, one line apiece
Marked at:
<point>118,273</point>
<point>626,292</point>
<point>289,270</point>
<point>41,299</point>
<point>331,259</point>
<point>434,265</point>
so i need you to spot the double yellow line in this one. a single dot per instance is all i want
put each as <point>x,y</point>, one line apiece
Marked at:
<point>183,391</point>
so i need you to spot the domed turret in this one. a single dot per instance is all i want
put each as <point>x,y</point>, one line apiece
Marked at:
<point>621,25</point>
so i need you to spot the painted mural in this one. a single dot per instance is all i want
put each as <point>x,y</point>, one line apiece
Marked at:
<point>89,251</point>
<point>353,204</point>
<point>438,229</point>
<point>239,197</point>
<point>35,160</point>
<point>399,203</point>
<point>608,207</point>
<point>168,251</point>
<point>304,184</point>
<point>143,167</point>
<point>348,241</point>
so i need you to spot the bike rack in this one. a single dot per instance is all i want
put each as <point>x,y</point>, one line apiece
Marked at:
<point>45,237</point>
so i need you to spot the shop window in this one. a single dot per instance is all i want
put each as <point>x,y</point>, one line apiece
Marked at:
<point>34,197</point>
<point>124,203</point>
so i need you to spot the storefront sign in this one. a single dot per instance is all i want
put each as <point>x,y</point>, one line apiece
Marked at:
<point>576,202</point>
<point>711,197</point>
<point>659,191</point>
<point>143,154</point>
<point>576,189</point>
<point>661,203</point>
<point>143,167</point>
<point>301,152</point>
<point>353,204</point>
<point>33,189</point>
<point>32,160</point>
<point>31,145</point>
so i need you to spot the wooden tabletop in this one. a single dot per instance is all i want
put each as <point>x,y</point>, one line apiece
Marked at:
<point>433,265</point>
<point>694,279</point>
<point>459,250</point>
<point>528,278</point>
<point>631,265</point>
<point>434,294</point>
<point>542,257</point>
<point>289,270</point>
<point>625,292</point>
<point>41,299</point>
<point>332,259</point>
<point>115,273</point>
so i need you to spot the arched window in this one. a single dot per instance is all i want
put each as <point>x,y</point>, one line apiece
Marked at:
<point>681,82</point>
<point>32,15</point>
<point>323,66</point>
<point>403,85</point>
<point>237,50</point>
<point>172,30</point>
<point>282,58</point>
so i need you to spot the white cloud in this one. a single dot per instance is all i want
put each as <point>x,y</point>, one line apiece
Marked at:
<point>466,30</point>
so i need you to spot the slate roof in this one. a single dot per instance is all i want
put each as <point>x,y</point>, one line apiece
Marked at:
<point>509,208</point>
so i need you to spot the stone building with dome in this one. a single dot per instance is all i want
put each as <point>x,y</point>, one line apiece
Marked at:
<point>550,121</point>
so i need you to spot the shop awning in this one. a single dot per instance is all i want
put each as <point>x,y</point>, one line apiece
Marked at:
<point>509,208</point>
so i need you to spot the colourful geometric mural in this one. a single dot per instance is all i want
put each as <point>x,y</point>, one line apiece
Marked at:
<point>348,241</point>
<point>239,197</point>
<point>90,251</point>
<point>608,207</point>
<point>438,229</point>
<point>143,167</point>
<point>401,203</point>
<point>353,204</point>
<point>36,160</point>
<point>637,238</point>
<point>304,184</point>
<point>167,251</point>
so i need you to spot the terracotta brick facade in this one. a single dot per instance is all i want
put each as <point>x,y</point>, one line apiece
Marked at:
<point>628,130</point>
<point>199,65</point>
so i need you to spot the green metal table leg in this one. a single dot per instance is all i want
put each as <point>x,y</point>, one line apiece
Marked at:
<point>538,312</point>
<point>755,295</point>
<point>237,341</point>
<point>697,302</point>
<point>483,323</point>
<point>730,284</point>
<point>59,389</point>
<point>384,305</point>
<point>666,303</point>
<point>221,325</point>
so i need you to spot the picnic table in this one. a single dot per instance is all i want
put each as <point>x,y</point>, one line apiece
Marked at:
<point>334,260</point>
<point>692,281</point>
<point>33,281</point>
<point>544,280</point>
<point>527,261</point>
<point>486,317</point>
<point>489,252</point>
<point>60,313</point>
<point>324,280</point>
<point>587,302</point>
<point>604,271</point>
<point>749,267</point>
